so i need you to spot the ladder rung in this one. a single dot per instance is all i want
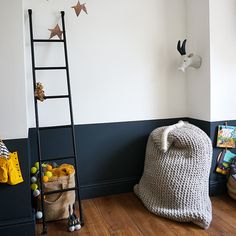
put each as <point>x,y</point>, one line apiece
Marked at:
<point>56,96</point>
<point>60,191</point>
<point>51,68</point>
<point>59,158</point>
<point>48,40</point>
<point>55,127</point>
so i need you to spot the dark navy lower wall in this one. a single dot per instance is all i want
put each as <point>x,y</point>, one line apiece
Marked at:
<point>217,181</point>
<point>111,159</point>
<point>16,211</point>
<point>111,155</point>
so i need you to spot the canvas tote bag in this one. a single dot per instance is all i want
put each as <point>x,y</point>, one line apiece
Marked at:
<point>56,205</point>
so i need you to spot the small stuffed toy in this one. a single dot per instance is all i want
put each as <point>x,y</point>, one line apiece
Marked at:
<point>73,220</point>
<point>39,92</point>
<point>71,226</point>
<point>77,223</point>
<point>63,170</point>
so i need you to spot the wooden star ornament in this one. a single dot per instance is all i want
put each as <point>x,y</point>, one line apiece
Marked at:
<point>56,31</point>
<point>79,7</point>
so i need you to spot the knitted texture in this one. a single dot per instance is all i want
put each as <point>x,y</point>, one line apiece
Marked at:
<point>175,181</point>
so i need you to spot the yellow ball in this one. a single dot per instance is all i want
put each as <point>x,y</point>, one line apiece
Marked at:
<point>48,174</point>
<point>36,165</point>
<point>34,186</point>
<point>45,179</point>
<point>49,167</point>
<point>33,170</point>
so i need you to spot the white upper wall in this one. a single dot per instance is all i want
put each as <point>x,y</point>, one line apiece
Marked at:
<point>122,56</point>
<point>13,121</point>
<point>223,59</point>
<point>211,31</point>
<point>198,81</point>
<point>123,62</point>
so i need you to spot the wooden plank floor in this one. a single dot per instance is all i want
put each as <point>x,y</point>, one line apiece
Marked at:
<point>124,214</point>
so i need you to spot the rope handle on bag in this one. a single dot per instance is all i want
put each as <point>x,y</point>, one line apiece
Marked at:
<point>51,202</point>
<point>164,137</point>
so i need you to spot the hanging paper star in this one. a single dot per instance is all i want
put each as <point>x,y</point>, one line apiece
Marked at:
<point>56,32</point>
<point>80,7</point>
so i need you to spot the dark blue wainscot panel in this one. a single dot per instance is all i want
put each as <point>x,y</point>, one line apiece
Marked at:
<point>16,216</point>
<point>111,155</point>
<point>218,181</point>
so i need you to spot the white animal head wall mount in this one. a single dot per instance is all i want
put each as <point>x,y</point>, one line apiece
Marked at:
<point>192,60</point>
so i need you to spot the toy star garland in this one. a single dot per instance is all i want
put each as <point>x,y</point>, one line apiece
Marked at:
<point>56,31</point>
<point>79,7</point>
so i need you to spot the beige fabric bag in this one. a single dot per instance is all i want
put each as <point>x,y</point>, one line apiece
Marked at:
<point>56,205</point>
<point>175,181</point>
<point>231,185</point>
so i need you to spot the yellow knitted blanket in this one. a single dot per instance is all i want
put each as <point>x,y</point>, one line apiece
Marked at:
<point>10,171</point>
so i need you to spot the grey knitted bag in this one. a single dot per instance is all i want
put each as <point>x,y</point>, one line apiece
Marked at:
<point>175,181</point>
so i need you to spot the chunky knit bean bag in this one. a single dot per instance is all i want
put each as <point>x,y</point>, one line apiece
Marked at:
<point>175,181</point>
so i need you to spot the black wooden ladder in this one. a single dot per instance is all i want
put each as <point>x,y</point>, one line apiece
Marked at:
<point>71,126</point>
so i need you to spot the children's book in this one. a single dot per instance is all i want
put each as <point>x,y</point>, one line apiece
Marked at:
<point>223,161</point>
<point>226,136</point>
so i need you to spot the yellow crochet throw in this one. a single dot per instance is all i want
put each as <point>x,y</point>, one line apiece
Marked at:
<point>10,170</point>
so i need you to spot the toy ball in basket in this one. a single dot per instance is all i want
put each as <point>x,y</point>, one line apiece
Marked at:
<point>54,178</point>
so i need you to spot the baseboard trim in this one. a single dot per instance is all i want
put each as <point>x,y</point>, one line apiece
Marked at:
<point>108,187</point>
<point>23,226</point>
<point>123,185</point>
<point>217,188</point>
<point>6,223</point>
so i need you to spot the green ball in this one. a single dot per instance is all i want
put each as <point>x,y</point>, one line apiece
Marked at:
<point>36,165</point>
<point>33,170</point>
<point>34,186</point>
<point>48,174</point>
<point>44,165</point>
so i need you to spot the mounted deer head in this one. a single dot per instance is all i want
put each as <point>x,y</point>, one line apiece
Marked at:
<point>188,60</point>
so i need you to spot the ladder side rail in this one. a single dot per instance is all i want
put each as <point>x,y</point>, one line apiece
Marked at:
<point>71,116</point>
<point>37,119</point>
